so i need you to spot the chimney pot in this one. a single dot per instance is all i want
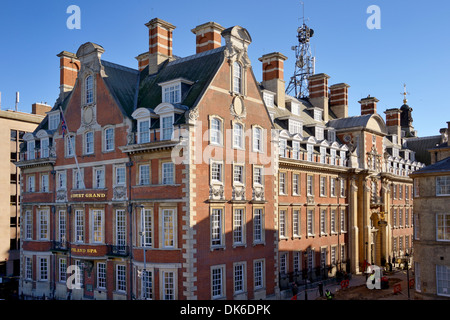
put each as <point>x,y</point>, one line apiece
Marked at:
<point>160,45</point>
<point>208,36</point>
<point>368,105</point>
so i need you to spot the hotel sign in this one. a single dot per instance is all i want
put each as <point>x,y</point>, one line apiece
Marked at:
<point>88,196</point>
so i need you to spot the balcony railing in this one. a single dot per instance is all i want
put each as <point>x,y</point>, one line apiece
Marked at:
<point>119,251</point>
<point>59,245</point>
<point>38,154</point>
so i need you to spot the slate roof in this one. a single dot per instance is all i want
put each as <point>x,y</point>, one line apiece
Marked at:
<point>122,83</point>
<point>440,166</point>
<point>199,68</point>
<point>350,122</point>
<point>421,147</point>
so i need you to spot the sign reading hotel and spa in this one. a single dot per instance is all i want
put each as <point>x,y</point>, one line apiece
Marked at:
<point>88,196</point>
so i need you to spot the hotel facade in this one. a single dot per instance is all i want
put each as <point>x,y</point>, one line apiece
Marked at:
<point>187,179</point>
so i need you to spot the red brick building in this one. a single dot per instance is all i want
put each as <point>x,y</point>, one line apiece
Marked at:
<point>159,187</point>
<point>188,179</point>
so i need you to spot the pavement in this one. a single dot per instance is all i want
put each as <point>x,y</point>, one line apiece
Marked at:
<point>357,289</point>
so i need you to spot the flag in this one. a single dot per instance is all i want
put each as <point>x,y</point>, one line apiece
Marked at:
<point>63,125</point>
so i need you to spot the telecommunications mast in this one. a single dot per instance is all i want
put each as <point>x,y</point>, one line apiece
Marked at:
<point>304,63</point>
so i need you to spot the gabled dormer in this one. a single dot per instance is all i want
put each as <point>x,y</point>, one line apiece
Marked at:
<point>175,90</point>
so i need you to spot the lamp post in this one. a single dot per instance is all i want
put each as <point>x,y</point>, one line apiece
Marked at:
<point>407,272</point>
<point>144,273</point>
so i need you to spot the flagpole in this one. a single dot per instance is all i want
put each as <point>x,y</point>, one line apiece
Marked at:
<point>70,146</point>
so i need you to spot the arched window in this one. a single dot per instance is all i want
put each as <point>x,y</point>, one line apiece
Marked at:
<point>238,134</point>
<point>89,86</point>
<point>237,78</point>
<point>216,131</point>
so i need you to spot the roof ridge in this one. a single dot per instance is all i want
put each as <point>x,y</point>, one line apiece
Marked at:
<point>118,66</point>
<point>195,56</point>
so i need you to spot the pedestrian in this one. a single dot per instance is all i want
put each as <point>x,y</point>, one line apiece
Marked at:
<point>321,289</point>
<point>328,295</point>
<point>294,289</point>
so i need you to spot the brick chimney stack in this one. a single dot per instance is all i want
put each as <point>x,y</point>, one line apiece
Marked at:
<point>160,45</point>
<point>208,36</point>
<point>273,75</point>
<point>393,122</point>
<point>69,66</point>
<point>368,105</point>
<point>318,92</point>
<point>339,99</point>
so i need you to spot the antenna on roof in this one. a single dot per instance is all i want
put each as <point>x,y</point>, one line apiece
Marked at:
<point>304,61</point>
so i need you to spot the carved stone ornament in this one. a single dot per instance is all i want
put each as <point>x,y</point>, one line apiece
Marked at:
<point>310,200</point>
<point>61,195</point>
<point>216,192</point>
<point>238,193</point>
<point>258,193</point>
<point>237,108</point>
<point>192,114</point>
<point>119,193</point>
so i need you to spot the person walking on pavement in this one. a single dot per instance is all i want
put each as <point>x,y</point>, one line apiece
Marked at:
<point>294,289</point>
<point>321,289</point>
<point>328,295</point>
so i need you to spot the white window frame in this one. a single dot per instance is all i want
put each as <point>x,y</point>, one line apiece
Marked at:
<point>216,174</point>
<point>144,177</point>
<point>121,278</point>
<point>171,93</point>
<point>109,139</point>
<point>119,179</point>
<point>258,225</point>
<point>257,135</point>
<point>45,147</point>
<point>239,223</point>
<point>443,186</point>
<point>218,282</point>
<point>120,228</point>
<point>237,78</point>
<point>168,228</point>
<point>167,173</point>
<point>216,131</point>
<point>89,138</point>
<point>165,128</point>
<point>31,183</point>
<point>79,226</point>
<point>44,269</point>
<point>98,180</point>
<point>239,277</point>
<point>45,187</point>
<point>259,274</point>
<point>147,227</point>
<point>101,275</point>
<point>282,223</point>
<point>53,121</point>
<point>28,225</point>
<point>61,180</point>
<point>44,224</point>
<point>98,227</point>
<point>443,226</point>
<point>62,270</point>
<point>238,136</point>
<point>89,89</point>
<point>143,135</point>
<point>217,235</point>
<point>70,145</point>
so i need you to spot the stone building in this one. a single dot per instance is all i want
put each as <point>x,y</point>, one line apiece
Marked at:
<point>432,230</point>
<point>13,126</point>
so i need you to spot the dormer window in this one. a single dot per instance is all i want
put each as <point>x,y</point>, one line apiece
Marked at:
<point>268,99</point>
<point>319,133</point>
<point>295,109</point>
<point>30,150</point>
<point>53,121</point>
<point>295,127</point>
<point>143,130</point>
<point>331,135</point>
<point>44,148</point>
<point>317,115</point>
<point>89,87</point>
<point>172,91</point>
<point>167,127</point>
<point>172,94</point>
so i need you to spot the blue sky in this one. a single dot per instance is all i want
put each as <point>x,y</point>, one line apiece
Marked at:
<point>411,47</point>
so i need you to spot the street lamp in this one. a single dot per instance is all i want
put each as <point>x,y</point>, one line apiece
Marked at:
<point>407,272</point>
